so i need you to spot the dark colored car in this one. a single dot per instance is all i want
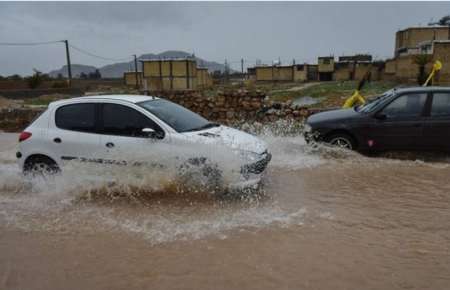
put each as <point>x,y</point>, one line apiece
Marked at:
<point>415,118</point>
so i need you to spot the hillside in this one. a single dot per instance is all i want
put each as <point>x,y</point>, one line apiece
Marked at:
<point>116,70</point>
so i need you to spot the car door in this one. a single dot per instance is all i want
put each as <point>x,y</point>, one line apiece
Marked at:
<point>399,125</point>
<point>122,136</point>
<point>436,130</point>
<point>72,132</point>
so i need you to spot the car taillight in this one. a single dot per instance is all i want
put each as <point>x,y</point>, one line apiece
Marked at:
<point>24,136</point>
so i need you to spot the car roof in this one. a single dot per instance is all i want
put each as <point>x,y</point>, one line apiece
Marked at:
<point>128,98</point>
<point>402,90</point>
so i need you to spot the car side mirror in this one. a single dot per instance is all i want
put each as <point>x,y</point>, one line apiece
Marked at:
<point>151,133</point>
<point>380,116</point>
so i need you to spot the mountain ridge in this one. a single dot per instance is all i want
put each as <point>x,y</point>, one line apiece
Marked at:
<point>116,70</point>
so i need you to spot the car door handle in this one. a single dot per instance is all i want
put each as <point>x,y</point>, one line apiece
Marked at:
<point>57,140</point>
<point>110,145</point>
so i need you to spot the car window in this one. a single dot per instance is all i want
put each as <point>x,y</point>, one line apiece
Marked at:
<point>76,117</point>
<point>125,121</point>
<point>441,105</point>
<point>410,105</point>
<point>176,116</point>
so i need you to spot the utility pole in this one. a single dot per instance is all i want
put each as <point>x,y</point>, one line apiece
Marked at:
<point>242,71</point>
<point>226,71</point>
<point>136,72</point>
<point>69,67</point>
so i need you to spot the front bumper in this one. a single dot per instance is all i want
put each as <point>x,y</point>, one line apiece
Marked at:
<point>259,166</point>
<point>312,136</point>
<point>251,183</point>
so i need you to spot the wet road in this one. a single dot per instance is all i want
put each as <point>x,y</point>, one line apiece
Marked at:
<point>327,220</point>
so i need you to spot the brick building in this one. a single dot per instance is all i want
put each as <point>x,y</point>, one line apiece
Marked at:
<point>433,41</point>
<point>415,40</point>
<point>325,68</point>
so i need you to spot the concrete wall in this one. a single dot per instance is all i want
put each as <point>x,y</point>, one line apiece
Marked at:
<point>130,78</point>
<point>343,73</point>
<point>170,74</point>
<point>204,79</point>
<point>284,73</point>
<point>442,53</point>
<point>326,64</point>
<point>390,66</point>
<point>274,73</point>
<point>264,73</point>
<point>406,70</point>
<point>361,69</point>
<point>301,73</point>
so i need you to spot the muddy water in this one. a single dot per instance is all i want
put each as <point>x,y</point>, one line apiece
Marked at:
<point>327,219</point>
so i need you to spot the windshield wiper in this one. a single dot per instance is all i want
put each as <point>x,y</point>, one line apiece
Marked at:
<point>206,126</point>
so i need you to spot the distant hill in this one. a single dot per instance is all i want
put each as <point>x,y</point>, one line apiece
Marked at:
<point>116,70</point>
<point>77,69</point>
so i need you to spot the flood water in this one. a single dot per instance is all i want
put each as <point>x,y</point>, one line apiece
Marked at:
<point>326,219</point>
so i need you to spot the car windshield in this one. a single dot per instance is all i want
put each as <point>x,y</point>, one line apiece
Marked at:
<point>369,106</point>
<point>176,116</point>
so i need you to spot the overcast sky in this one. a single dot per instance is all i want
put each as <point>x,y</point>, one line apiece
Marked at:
<point>213,31</point>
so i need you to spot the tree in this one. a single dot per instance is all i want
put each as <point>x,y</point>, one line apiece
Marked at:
<point>83,75</point>
<point>95,75</point>
<point>422,60</point>
<point>444,21</point>
<point>60,76</point>
<point>35,80</point>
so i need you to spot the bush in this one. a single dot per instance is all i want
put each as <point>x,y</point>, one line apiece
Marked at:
<point>35,80</point>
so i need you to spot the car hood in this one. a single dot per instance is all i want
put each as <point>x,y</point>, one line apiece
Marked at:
<point>230,137</point>
<point>333,115</point>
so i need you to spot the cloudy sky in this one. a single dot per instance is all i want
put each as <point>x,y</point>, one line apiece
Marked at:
<point>213,31</point>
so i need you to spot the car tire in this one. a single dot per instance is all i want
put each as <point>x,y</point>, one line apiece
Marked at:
<point>341,140</point>
<point>40,165</point>
<point>209,172</point>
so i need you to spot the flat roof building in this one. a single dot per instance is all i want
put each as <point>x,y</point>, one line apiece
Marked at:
<point>413,37</point>
<point>169,74</point>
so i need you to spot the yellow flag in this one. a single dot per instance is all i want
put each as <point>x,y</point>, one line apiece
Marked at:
<point>353,100</point>
<point>437,66</point>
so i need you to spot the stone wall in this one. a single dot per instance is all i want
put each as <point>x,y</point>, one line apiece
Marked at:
<point>28,93</point>
<point>230,108</point>
<point>236,107</point>
<point>16,119</point>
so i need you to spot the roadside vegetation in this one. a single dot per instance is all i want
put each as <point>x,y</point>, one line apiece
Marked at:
<point>329,94</point>
<point>44,100</point>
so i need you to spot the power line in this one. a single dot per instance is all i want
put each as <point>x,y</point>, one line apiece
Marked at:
<point>29,43</point>
<point>98,56</point>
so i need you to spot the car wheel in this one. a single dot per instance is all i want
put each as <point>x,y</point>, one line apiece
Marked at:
<point>342,140</point>
<point>200,171</point>
<point>40,166</point>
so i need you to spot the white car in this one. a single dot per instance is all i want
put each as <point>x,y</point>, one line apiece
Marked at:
<point>133,129</point>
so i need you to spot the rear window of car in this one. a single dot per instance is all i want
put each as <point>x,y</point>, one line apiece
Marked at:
<point>441,105</point>
<point>76,117</point>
